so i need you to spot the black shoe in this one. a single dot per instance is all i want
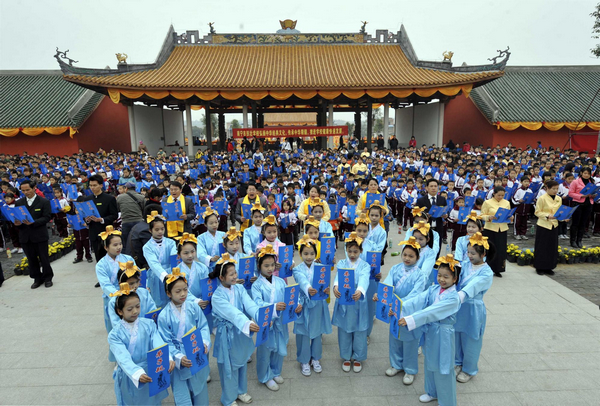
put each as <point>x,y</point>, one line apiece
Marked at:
<point>36,285</point>
<point>550,272</point>
<point>18,272</point>
<point>574,244</point>
<point>540,272</point>
<point>48,284</point>
<point>579,244</point>
<point>77,260</point>
<point>90,260</point>
<point>97,285</point>
<point>586,235</point>
<point>498,274</point>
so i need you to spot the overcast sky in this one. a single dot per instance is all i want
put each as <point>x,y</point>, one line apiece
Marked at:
<point>539,32</point>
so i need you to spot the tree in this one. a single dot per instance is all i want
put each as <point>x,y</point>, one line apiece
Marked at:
<point>214,124</point>
<point>350,127</point>
<point>196,131</point>
<point>596,30</point>
<point>235,123</point>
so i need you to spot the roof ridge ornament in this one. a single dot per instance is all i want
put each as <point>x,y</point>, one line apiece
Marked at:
<point>363,27</point>
<point>212,28</point>
<point>501,54</point>
<point>63,55</point>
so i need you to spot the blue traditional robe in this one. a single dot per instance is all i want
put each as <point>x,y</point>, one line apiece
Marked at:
<point>106,272</point>
<point>158,257</point>
<point>460,254</point>
<point>314,320</point>
<point>352,318</point>
<point>375,241</point>
<point>325,227</point>
<point>208,247</point>
<point>436,239</point>
<point>198,272</point>
<point>252,237</point>
<point>173,324</point>
<point>130,343</point>
<point>146,305</point>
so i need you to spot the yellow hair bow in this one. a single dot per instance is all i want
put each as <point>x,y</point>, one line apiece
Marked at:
<point>305,240</point>
<point>423,227</point>
<point>312,221</point>
<point>268,250</point>
<point>124,290</point>
<point>270,219</point>
<point>153,215</point>
<point>175,274</point>
<point>233,233</point>
<point>110,230</point>
<point>354,237</point>
<point>186,237</point>
<point>412,241</point>
<point>129,267</point>
<point>225,258</point>
<point>362,219</point>
<point>479,239</point>
<point>473,216</point>
<point>257,206</point>
<point>209,212</point>
<point>316,202</point>
<point>448,259</point>
<point>376,204</point>
<point>417,211</point>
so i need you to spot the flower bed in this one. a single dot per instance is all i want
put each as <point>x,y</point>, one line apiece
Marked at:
<point>55,251</point>
<point>524,257</point>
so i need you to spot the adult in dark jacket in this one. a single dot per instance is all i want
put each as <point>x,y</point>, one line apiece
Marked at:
<point>34,236</point>
<point>107,208</point>
<point>430,199</point>
<point>393,143</point>
<point>140,235</point>
<point>380,142</point>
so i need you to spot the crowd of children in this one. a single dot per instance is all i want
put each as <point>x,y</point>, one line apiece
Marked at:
<point>442,307</point>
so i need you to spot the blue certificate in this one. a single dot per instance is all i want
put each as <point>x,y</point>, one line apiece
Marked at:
<point>564,213</point>
<point>384,296</point>
<point>265,314</point>
<point>290,297</point>
<point>158,369</point>
<point>374,259</point>
<point>346,286</point>
<point>321,281</point>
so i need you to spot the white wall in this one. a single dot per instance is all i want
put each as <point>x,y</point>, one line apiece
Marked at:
<point>149,128</point>
<point>426,117</point>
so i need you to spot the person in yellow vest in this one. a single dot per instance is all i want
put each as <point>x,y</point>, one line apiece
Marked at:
<point>360,169</point>
<point>250,199</point>
<point>313,197</point>
<point>175,228</point>
<point>373,187</point>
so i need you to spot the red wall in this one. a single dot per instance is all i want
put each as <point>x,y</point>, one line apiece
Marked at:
<point>464,122</point>
<point>107,127</point>
<point>521,137</point>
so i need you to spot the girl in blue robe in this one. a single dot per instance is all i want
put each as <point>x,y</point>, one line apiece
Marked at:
<point>107,270</point>
<point>130,274</point>
<point>475,280</point>
<point>407,281</point>
<point>474,224</point>
<point>158,251</point>
<point>253,235</point>
<point>233,311</point>
<point>436,309</point>
<point>422,216</point>
<point>195,271</point>
<point>178,317</point>
<point>352,321</point>
<point>318,211</point>
<point>423,233</point>
<point>208,242</point>
<point>233,246</point>
<point>315,320</point>
<point>130,340</point>
<point>267,290</point>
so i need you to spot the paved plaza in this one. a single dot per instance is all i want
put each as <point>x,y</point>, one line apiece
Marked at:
<point>541,347</point>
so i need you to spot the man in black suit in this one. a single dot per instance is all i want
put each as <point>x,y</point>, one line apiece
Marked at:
<point>431,199</point>
<point>34,236</point>
<point>107,208</point>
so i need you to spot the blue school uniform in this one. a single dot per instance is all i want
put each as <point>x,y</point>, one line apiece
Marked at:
<point>130,342</point>
<point>426,262</point>
<point>325,227</point>
<point>437,311</point>
<point>232,310</point>
<point>199,271</point>
<point>146,305</point>
<point>252,237</point>
<point>173,324</point>
<point>353,320</point>
<point>270,355</point>
<point>106,272</point>
<point>460,254</point>
<point>313,321</point>
<point>375,241</point>
<point>473,283</point>
<point>208,247</point>
<point>407,282</point>
<point>158,257</point>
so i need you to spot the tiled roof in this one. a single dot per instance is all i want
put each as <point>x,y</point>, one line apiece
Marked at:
<point>43,99</point>
<point>541,94</point>
<point>298,66</point>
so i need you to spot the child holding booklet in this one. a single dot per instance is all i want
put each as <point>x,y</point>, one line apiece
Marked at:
<point>158,251</point>
<point>233,344</point>
<point>315,320</point>
<point>474,225</point>
<point>130,341</point>
<point>208,242</point>
<point>436,308</point>
<point>286,234</point>
<point>267,290</point>
<point>352,320</point>
<point>253,235</point>
<point>178,317</point>
<point>407,281</point>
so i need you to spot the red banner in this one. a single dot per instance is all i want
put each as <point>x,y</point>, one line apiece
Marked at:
<point>285,132</point>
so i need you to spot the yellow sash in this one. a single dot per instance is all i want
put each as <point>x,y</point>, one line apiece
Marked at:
<point>174,228</point>
<point>246,223</point>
